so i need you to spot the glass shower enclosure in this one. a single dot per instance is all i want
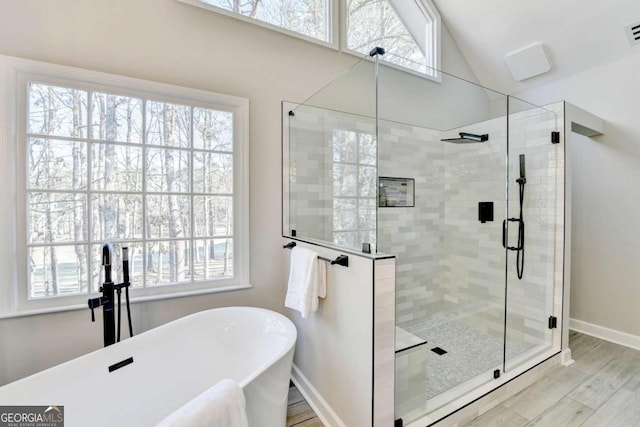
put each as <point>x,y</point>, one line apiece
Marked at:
<point>464,185</point>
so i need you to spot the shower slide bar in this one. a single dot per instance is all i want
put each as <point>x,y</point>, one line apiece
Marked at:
<point>342,260</point>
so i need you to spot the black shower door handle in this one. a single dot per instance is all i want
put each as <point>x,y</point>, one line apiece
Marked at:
<point>505,237</point>
<point>504,234</point>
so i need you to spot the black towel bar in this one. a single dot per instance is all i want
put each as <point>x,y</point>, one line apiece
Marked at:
<point>342,260</point>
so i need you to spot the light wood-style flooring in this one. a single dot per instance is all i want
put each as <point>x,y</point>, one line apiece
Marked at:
<point>299,413</point>
<point>601,389</point>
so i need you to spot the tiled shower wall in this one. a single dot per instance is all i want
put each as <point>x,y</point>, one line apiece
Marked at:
<point>473,255</point>
<point>310,202</point>
<point>475,264</point>
<point>415,234</point>
<point>312,180</point>
<point>449,264</point>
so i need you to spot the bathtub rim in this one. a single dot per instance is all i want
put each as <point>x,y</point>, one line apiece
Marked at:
<point>292,334</point>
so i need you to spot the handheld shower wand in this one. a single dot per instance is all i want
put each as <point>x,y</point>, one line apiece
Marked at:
<point>125,284</point>
<point>520,251</point>
<point>522,180</point>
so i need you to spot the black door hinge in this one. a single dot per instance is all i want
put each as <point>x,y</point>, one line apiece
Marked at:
<point>555,137</point>
<point>553,322</point>
<point>496,374</point>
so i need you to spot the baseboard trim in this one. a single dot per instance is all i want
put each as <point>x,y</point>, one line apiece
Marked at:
<point>320,406</point>
<point>607,334</point>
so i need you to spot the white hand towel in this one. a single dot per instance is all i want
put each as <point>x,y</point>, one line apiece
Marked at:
<point>222,405</point>
<point>321,287</point>
<point>307,281</point>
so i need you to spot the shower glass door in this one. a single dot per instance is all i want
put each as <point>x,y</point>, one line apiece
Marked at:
<point>536,195</point>
<point>440,211</point>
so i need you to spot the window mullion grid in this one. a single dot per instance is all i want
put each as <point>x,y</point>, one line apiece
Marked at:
<point>58,137</point>
<point>51,245</point>
<point>358,189</point>
<point>192,215</point>
<point>182,239</point>
<point>358,198</point>
<point>329,6</point>
<point>145,256</point>
<point>349,163</point>
<point>93,140</point>
<point>56,244</point>
<point>202,150</point>
<point>89,221</point>
<point>204,193</point>
<point>86,242</point>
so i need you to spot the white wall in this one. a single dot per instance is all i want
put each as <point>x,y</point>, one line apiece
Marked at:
<point>334,343</point>
<point>605,263</point>
<point>171,42</point>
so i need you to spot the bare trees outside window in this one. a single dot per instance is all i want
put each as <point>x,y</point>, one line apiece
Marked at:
<point>354,188</point>
<point>409,30</point>
<point>151,175</point>
<point>372,23</point>
<point>307,17</point>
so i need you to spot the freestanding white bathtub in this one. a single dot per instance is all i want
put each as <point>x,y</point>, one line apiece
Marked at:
<point>172,364</point>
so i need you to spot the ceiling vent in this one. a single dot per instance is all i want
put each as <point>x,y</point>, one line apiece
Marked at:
<point>633,32</point>
<point>530,61</point>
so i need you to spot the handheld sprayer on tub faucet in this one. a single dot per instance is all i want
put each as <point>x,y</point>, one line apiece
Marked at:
<point>106,300</point>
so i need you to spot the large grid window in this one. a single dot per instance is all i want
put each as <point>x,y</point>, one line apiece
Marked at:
<point>354,188</point>
<point>151,174</point>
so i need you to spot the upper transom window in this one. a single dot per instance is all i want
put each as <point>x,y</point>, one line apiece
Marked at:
<point>406,29</point>
<point>307,17</point>
<point>409,30</point>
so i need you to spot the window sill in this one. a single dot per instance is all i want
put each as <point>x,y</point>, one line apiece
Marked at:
<point>173,295</point>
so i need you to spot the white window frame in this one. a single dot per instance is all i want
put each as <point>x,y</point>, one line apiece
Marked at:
<point>434,41</point>
<point>331,18</point>
<point>15,73</point>
<point>337,30</point>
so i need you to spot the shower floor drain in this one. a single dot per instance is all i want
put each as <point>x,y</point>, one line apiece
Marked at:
<point>439,351</point>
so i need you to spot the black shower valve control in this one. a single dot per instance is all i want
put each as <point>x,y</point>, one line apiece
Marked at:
<point>485,212</point>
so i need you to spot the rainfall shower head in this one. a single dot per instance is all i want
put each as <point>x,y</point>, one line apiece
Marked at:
<point>466,138</point>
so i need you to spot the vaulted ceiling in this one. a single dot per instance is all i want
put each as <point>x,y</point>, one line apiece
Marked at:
<point>577,34</point>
